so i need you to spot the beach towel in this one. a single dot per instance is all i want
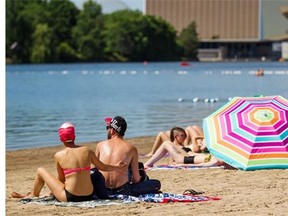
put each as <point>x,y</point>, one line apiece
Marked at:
<point>172,167</point>
<point>170,197</point>
<point>120,199</point>
<point>51,200</point>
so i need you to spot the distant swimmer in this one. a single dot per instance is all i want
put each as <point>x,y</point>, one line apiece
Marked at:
<point>185,63</point>
<point>260,72</point>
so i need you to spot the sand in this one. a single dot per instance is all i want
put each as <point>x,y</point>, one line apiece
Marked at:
<point>263,192</point>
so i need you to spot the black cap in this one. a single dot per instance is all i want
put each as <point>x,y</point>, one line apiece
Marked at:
<point>119,124</point>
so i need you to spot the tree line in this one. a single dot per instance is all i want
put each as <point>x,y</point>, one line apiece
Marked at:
<point>53,31</point>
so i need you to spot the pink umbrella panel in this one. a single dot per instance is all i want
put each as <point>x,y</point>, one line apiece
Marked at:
<point>250,133</point>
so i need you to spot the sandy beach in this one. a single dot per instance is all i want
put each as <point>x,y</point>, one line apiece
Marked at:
<point>263,192</point>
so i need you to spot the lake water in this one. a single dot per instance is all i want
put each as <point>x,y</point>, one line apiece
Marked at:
<point>151,97</point>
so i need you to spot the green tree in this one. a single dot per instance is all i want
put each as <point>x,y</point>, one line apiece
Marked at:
<point>66,53</point>
<point>62,17</point>
<point>56,31</point>
<point>41,44</point>
<point>131,36</point>
<point>161,42</point>
<point>87,34</point>
<point>120,33</point>
<point>12,9</point>
<point>188,40</point>
<point>21,20</point>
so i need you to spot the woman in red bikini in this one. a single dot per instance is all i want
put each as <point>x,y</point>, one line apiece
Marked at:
<point>73,167</point>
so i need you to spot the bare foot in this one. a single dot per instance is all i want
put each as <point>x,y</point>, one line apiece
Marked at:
<point>29,195</point>
<point>17,195</point>
<point>144,155</point>
<point>149,154</point>
<point>146,166</point>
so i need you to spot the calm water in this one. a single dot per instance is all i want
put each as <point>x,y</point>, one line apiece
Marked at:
<point>39,98</point>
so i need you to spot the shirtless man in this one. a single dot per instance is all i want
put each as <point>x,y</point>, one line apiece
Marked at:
<point>115,148</point>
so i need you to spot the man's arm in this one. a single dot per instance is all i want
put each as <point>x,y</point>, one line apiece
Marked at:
<point>135,167</point>
<point>97,151</point>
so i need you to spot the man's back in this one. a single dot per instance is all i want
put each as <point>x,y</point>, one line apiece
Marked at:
<point>112,151</point>
<point>115,149</point>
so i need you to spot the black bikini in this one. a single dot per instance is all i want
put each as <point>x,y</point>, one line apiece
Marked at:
<point>188,159</point>
<point>186,149</point>
<point>74,198</point>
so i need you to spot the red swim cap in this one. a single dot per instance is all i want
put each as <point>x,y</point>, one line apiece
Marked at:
<point>67,132</point>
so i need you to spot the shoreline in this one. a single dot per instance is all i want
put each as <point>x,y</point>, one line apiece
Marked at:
<point>261,192</point>
<point>89,143</point>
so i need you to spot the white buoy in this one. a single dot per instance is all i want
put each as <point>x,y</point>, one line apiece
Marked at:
<point>180,99</point>
<point>195,99</point>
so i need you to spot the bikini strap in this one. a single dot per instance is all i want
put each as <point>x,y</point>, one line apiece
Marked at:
<point>73,170</point>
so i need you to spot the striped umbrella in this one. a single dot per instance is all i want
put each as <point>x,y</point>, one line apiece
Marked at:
<point>250,133</point>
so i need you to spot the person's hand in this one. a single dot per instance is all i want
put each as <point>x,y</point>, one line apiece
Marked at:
<point>200,142</point>
<point>122,165</point>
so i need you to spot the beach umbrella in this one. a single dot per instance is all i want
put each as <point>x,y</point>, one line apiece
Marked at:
<point>250,133</point>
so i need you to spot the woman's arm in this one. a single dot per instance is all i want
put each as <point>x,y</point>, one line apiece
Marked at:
<point>195,144</point>
<point>179,150</point>
<point>120,166</point>
<point>97,152</point>
<point>60,172</point>
<point>197,138</point>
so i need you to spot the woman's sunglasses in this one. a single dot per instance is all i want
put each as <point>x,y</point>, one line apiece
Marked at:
<point>182,135</point>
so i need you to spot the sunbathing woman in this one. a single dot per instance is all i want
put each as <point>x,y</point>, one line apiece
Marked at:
<point>176,135</point>
<point>73,167</point>
<point>182,156</point>
<point>194,135</point>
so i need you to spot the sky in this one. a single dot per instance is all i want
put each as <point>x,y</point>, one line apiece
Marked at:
<point>109,6</point>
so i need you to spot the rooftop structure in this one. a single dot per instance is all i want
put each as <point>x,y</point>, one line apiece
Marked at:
<point>248,29</point>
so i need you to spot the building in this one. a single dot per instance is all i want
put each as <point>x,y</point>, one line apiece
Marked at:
<point>230,29</point>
